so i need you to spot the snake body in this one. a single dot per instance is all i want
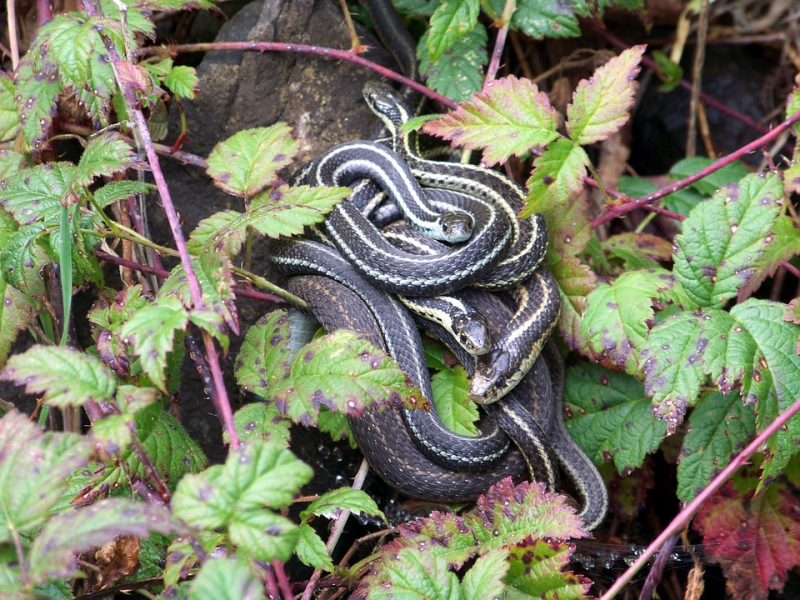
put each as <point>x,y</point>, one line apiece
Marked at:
<point>411,449</point>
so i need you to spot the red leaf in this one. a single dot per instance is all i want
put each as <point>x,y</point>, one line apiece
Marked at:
<point>756,540</point>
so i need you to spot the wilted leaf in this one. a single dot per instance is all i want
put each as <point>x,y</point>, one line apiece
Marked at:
<point>755,539</point>
<point>54,550</point>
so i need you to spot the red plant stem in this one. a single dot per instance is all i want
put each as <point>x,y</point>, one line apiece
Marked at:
<point>283,580</point>
<point>621,209</point>
<point>44,12</point>
<point>683,518</point>
<point>221,402</point>
<point>241,292</point>
<point>708,100</point>
<point>336,532</point>
<point>332,53</point>
<point>500,42</point>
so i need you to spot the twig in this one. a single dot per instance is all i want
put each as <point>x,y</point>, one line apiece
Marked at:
<point>332,53</point>
<point>336,532</point>
<point>13,41</point>
<point>683,517</point>
<point>221,402</point>
<point>697,77</point>
<point>283,580</point>
<point>500,42</point>
<point>613,211</point>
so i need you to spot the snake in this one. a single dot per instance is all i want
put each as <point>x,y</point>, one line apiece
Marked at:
<point>441,459</point>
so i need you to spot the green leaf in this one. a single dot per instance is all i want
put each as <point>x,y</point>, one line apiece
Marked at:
<point>207,230</point>
<point>225,579</point>
<point>752,349</point>
<point>259,474</point>
<point>414,575</point>
<point>120,190</point>
<point>451,21</point>
<point>54,548</point>
<point>9,117</point>
<point>509,117</point>
<point>332,503</point>
<point>451,396</point>
<point>183,82</point>
<point>459,72</point>
<point>600,105</point>
<point>249,160</point>
<point>261,421</point>
<point>670,72</point>
<point>135,16</point>
<point>542,18</point>
<point>290,210</point>
<point>336,425</point>
<point>784,244</point>
<point>45,459</point>
<point>485,577</point>
<point>152,330</point>
<point>11,162</point>
<point>37,95</point>
<point>262,474</point>
<point>106,154</point>
<point>557,177</point>
<point>36,194</point>
<point>671,361</point>
<point>342,372</point>
<point>264,535</point>
<point>22,257</point>
<point>610,417</point>
<point>713,181</point>
<point>615,322</point>
<point>719,427</point>
<point>575,282</point>
<point>535,571</point>
<point>311,549</point>
<point>263,359</point>
<point>16,311</point>
<point>416,7</point>
<point>724,237</point>
<point>65,377</point>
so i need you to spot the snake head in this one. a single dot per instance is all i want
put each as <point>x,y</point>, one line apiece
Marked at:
<point>386,103</point>
<point>489,377</point>
<point>456,226</point>
<point>473,334</point>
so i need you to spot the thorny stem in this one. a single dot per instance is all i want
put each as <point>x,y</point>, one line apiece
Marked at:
<point>500,43</point>
<point>221,401</point>
<point>683,518</point>
<point>241,292</point>
<point>332,53</point>
<point>336,533</point>
<point>621,209</point>
<point>708,100</point>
